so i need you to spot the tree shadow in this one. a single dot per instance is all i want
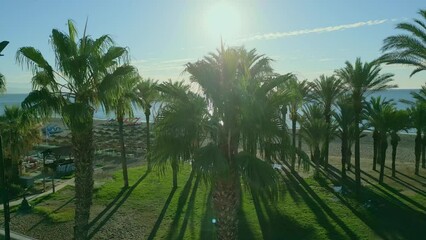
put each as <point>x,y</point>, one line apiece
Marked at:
<point>161,216</point>
<point>46,217</point>
<point>189,209</point>
<point>320,208</point>
<point>275,225</point>
<point>103,217</point>
<point>208,228</point>
<point>393,191</point>
<point>288,187</point>
<point>407,185</point>
<point>386,215</point>
<point>181,204</point>
<point>405,175</point>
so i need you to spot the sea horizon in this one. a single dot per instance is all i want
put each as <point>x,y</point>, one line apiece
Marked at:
<point>15,99</point>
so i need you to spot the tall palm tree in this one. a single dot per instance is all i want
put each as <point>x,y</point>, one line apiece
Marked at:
<point>409,48</point>
<point>227,78</point>
<point>398,121</point>
<point>148,95</point>
<point>375,106</point>
<point>326,90</point>
<point>83,67</point>
<point>315,130</point>
<point>20,131</point>
<point>297,93</point>
<point>379,111</point>
<point>417,114</point>
<point>345,120</point>
<point>362,79</point>
<point>419,98</point>
<point>119,98</point>
<point>179,128</point>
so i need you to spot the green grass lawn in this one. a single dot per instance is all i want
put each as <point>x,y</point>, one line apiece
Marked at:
<point>306,209</point>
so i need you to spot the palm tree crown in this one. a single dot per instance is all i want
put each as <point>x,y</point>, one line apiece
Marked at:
<point>410,48</point>
<point>85,68</point>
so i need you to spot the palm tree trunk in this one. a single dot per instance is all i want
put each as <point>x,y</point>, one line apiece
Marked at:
<point>82,141</point>
<point>284,128</point>
<point>44,173</point>
<point>327,141</point>
<point>293,157</point>
<point>394,146</point>
<point>148,141</point>
<point>424,150</point>
<point>418,150</point>
<point>226,202</point>
<point>357,156</point>
<point>375,147</point>
<point>382,149</point>
<point>123,152</point>
<point>53,181</point>
<point>317,158</point>
<point>349,158</point>
<point>300,149</point>
<point>175,172</point>
<point>344,152</point>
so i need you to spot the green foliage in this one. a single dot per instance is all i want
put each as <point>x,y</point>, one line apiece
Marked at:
<point>20,131</point>
<point>408,48</point>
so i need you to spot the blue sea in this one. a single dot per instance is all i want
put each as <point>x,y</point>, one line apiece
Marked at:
<point>16,99</point>
<point>395,94</point>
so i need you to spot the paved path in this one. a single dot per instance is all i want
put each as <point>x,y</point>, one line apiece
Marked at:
<point>33,197</point>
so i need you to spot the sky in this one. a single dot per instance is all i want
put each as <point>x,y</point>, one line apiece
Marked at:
<point>305,37</point>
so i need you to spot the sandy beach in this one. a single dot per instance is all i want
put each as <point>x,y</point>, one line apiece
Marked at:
<point>107,143</point>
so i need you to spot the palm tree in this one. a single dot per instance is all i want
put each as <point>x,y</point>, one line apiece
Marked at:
<point>345,121</point>
<point>20,131</point>
<point>398,122</point>
<point>410,48</point>
<point>420,98</point>
<point>326,90</point>
<point>179,128</point>
<point>84,67</point>
<point>379,112</point>
<point>417,114</point>
<point>226,79</point>
<point>362,79</point>
<point>297,93</point>
<point>119,99</point>
<point>375,106</point>
<point>315,130</point>
<point>148,94</point>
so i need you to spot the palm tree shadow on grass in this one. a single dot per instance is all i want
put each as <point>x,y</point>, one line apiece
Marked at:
<point>47,215</point>
<point>275,225</point>
<point>387,216</point>
<point>181,204</point>
<point>405,175</point>
<point>393,191</point>
<point>208,230</point>
<point>319,208</point>
<point>162,213</point>
<point>111,208</point>
<point>189,209</point>
<point>408,186</point>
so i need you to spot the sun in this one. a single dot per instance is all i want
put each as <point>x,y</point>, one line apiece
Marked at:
<point>223,20</point>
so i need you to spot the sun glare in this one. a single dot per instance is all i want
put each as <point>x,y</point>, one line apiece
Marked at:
<point>223,20</point>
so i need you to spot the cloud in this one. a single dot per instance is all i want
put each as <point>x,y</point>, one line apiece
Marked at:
<point>277,35</point>
<point>162,69</point>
